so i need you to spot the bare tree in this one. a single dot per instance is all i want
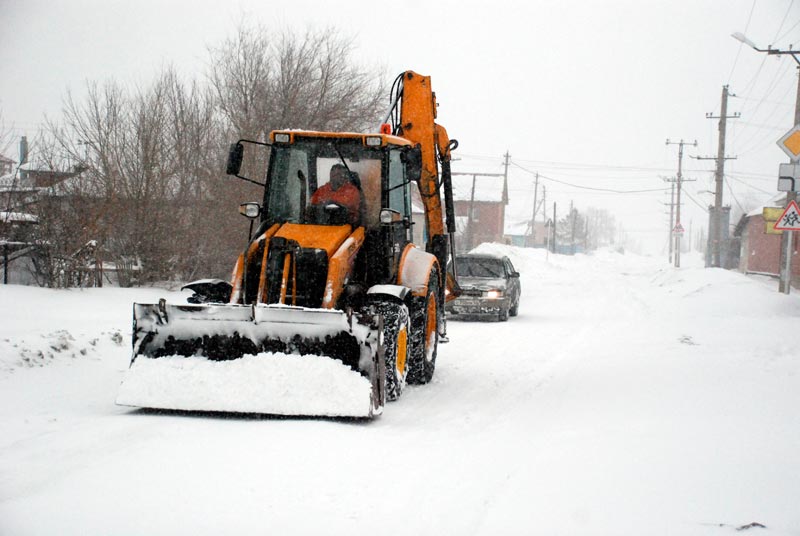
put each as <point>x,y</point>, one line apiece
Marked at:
<point>307,81</point>
<point>150,190</point>
<point>602,228</point>
<point>6,136</point>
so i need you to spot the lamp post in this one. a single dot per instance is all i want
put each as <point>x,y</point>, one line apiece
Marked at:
<point>786,237</point>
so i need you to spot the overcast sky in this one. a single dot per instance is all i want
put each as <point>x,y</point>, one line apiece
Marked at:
<point>584,92</point>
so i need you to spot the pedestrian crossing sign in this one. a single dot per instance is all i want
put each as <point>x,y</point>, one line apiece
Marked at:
<point>790,219</point>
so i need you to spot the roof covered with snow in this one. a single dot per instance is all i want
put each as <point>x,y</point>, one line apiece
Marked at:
<point>522,228</point>
<point>17,217</point>
<point>778,200</point>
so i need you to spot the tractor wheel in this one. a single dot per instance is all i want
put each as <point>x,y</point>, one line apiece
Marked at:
<point>395,346</point>
<point>425,332</point>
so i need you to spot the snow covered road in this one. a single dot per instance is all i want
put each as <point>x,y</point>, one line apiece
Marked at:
<point>626,398</point>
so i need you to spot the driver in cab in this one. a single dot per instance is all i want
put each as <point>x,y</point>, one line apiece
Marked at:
<point>341,191</point>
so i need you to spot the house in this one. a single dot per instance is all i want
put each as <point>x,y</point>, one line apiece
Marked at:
<point>22,191</point>
<point>16,245</point>
<point>6,166</point>
<point>760,251</point>
<point>520,233</point>
<point>480,203</point>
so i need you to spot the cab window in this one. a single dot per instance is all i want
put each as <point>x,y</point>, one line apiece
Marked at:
<point>399,198</point>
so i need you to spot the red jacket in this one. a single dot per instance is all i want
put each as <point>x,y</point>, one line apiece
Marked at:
<point>347,195</point>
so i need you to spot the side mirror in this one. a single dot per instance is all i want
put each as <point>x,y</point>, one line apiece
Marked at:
<point>514,274</point>
<point>250,210</point>
<point>412,156</point>
<point>235,157</point>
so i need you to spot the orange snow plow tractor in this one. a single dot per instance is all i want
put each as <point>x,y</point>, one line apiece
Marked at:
<point>332,307</point>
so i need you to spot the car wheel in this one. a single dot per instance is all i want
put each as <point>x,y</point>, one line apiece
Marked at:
<point>503,315</point>
<point>514,310</point>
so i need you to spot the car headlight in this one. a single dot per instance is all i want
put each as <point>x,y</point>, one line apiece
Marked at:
<point>494,294</point>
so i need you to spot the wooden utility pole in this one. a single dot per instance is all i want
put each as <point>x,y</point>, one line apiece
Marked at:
<point>715,223</point>
<point>544,203</point>
<point>505,195</point>
<point>554,227</point>
<point>533,216</point>
<point>679,180</point>
<point>671,215</point>
<point>572,230</point>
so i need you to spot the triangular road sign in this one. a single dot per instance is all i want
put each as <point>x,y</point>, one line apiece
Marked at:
<point>678,228</point>
<point>790,219</point>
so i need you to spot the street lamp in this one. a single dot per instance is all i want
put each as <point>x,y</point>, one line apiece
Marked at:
<point>769,50</point>
<point>786,239</point>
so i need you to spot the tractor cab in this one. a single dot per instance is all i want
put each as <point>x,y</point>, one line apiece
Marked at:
<point>379,167</point>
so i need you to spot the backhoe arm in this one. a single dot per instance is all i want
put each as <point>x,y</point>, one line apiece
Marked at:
<point>417,124</point>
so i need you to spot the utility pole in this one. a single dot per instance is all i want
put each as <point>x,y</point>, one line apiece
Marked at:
<point>533,216</point>
<point>544,203</point>
<point>785,284</point>
<point>572,230</point>
<point>671,215</point>
<point>678,227</point>
<point>554,226</point>
<point>505,195</point>
<point>715,231</point>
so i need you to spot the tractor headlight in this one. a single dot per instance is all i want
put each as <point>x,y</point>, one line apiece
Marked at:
<point>250,210</point>
<point>282,138</point>
<point>372,141</point>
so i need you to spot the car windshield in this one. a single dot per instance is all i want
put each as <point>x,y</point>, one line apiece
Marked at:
<point>477,267</point>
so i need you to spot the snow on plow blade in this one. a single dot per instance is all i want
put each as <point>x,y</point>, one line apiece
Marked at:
<point>268,359</point>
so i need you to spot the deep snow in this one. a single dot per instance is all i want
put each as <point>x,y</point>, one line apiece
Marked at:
<point>627,397</point>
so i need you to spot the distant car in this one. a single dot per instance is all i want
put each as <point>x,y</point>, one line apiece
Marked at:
<point>490,287</point>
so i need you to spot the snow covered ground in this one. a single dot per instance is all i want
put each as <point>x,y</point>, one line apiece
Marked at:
<point>627,397</point>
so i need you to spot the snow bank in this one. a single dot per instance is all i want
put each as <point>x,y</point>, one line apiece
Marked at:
<point>41,326</point>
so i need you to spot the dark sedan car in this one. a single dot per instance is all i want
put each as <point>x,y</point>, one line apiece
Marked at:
<point>490,286</point>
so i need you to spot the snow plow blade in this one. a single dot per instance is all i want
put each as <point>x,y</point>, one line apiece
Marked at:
<point>265,359</point>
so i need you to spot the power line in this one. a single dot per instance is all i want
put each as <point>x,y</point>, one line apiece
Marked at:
<point>746,26</point>
<point>695,201</point>
<point>577,165</point>
<point>728,184</point>
<point>795,25</point>
<point>788,9</point>
<point>589,187</point>
<point>728,176</point>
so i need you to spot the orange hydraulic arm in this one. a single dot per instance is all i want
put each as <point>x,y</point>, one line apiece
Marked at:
<point>417,124</point>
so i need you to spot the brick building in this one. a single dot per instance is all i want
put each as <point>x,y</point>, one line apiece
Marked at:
<point>760,248</point>
<point>480,206</point>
